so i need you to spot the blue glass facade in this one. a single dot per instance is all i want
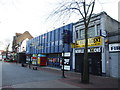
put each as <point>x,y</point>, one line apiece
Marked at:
<point>51,45</point>
<point>50,42</point>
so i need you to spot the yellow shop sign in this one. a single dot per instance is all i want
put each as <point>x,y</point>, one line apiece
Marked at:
<point>96,41</point>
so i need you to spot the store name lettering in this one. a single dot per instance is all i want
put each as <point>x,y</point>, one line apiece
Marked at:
<point>96,41</point>
<point>90,50</point>
<point>114,47</point>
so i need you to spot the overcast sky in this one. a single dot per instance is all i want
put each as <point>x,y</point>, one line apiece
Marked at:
<point>30,15</point>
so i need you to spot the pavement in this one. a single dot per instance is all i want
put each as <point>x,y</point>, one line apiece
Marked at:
<point>74,78</point>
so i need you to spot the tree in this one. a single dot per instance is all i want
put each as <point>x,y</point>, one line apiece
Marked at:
<point>82,8</point>
<point>7,49</point>
<point>5,46</point>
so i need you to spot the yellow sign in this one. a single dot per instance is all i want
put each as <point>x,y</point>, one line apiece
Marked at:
<point>96,41</point>
<point>73,45</point>
<point>38,60</point>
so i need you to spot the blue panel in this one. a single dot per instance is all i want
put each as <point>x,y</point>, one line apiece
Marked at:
<point>66,48</point>
<point>61,31</point>
<point>52,41</point>
<point>60,48</point>
<point>52,49</point>
<point>47,44</point>
<point>42,44</point>
<point>39,51</point>
<point>42,41</point>
<point>33,46</point>
<point>56,34</point>
<point>56,40</point>
<point>53,36</point>
<point>37,45</point>
<point>35,42</point>
<point>49,41</point>
<point>48,50</point>
<point>56,49</point>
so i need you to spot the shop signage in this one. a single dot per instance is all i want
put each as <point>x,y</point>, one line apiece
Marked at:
<point>72,45</point>
<point>114,47</point>
<point>66,67</point>
<point>103,33</point>
<point>66,54</point>
<point>90,50</point>
<point>96,41</point>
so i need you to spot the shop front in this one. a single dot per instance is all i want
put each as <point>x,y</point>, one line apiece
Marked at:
<point>54,60</point>
<point>94,59</point>
<point>94,55</point>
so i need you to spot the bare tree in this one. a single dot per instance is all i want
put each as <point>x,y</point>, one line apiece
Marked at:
<point>5,45</point>
<point>82,8</point>
<point>7,50</point>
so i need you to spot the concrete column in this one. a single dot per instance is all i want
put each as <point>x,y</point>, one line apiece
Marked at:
<point>103,21</point>
<point>103,56</point>
<point>73,59</point>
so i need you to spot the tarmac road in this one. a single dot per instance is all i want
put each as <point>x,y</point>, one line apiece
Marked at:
<point>15,76</point>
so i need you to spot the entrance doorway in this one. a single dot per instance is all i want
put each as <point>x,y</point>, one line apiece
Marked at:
<point>95,64</point>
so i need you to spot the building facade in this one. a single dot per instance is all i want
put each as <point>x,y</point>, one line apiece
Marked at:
<point>100,32</point>
<point>19,46</point>
<point>51,45</point>
<point>103,46</point>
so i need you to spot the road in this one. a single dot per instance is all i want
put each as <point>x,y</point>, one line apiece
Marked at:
<point>15,76</point>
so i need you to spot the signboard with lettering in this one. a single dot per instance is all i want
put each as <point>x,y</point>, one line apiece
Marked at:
<point>96,41</point>
<point>90,50</point>
<point>114,47</point>
<point>66,54</point>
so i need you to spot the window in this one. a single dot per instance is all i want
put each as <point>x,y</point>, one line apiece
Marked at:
<point>82,33</point>
<point>91,31</point>
<point>77,34</point>
<point>98,29</point>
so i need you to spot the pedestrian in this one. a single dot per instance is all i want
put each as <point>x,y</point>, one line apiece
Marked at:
<point>30,62</point>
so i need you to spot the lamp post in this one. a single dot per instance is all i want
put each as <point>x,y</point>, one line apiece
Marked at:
<point>65,41</point>
<point>63,74</point>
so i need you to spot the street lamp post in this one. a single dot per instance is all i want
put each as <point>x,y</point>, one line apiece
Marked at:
<point>65,40</point>
<point>63,74</point>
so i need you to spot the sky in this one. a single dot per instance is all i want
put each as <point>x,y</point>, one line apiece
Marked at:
<point>18,16</point>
